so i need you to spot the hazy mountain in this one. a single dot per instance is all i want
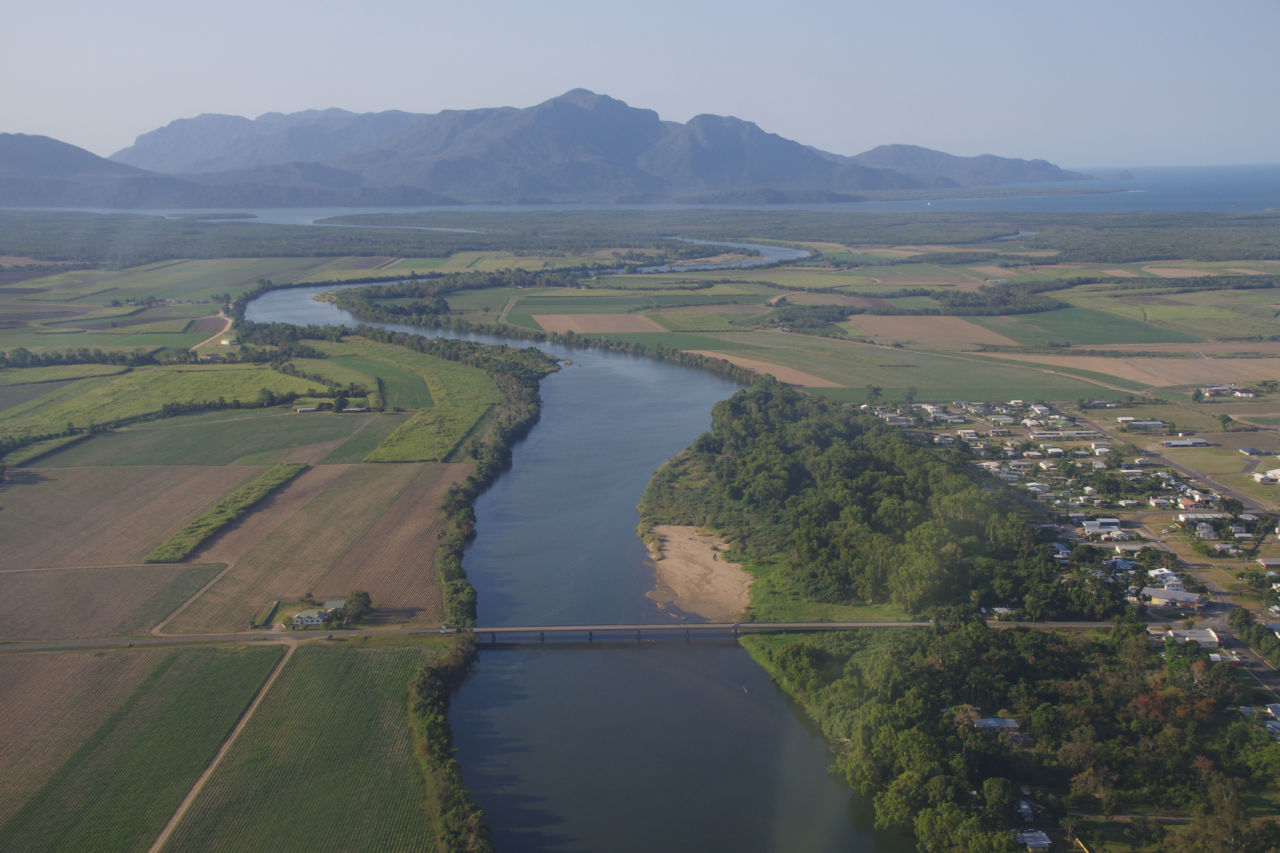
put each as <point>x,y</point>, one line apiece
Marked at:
<point>934,168</point>
<point>579,146</point>
<point>213,142</point>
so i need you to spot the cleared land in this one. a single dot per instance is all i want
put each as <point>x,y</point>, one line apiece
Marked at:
<point>1162,372</point>
<point>789,375</point>
<point>588,324</point>
<point>334,727</point>
<point>75,517</point>
<point>50,703</point>
<point>106,602</point>
<point>692,576</point>
<point>118,788</point>
<point>331,530</point>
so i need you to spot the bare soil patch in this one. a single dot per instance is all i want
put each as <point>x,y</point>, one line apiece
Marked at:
<point>395,559</point>
<point>948,332</point>
<point>1245,271</point>
<point>1163,372</point>
<point>320,523</point>
<point>60,517</point>
<point>587,324</point>
<point>50,703</point>
<point>1200,348</point>
<point>1179,272</point>
<point>994,272</point>
<point>47,604</point>
<point>788,375</point>
<point>692,576</point>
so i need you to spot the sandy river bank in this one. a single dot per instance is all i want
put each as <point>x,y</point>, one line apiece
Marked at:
<point>693,577</point>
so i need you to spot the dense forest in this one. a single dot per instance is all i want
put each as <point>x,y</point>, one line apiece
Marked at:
<point>861,513</point>
<point>1108,724</point>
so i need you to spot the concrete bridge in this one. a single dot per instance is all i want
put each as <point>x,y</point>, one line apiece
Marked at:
<point>527,633</point>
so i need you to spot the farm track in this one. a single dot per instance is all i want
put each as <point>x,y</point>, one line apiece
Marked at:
<point>163,838</point>
<point>226,327</point>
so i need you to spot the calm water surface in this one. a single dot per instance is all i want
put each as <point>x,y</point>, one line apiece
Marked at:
<point>616,746</point>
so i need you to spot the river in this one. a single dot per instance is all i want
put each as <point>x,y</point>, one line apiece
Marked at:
<point>617,746</point>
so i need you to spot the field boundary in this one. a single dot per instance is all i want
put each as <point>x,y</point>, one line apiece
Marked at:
<point>190,798</point>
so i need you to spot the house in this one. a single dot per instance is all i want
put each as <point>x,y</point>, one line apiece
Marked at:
<point>308,619</point>
<point>1033,839</point>
<point>1205,638</point>
<point>995,724</point>
<point>1172,598</point>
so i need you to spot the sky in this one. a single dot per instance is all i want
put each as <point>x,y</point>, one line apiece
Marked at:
<point>1090,83</point>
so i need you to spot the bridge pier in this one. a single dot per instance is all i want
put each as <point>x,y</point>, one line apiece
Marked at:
<point>542,637</point>
<point>493,638</point>
<point>637,635</point>
<point>590,636</point>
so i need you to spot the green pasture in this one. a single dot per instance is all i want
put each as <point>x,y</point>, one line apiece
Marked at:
<point>431,435</point>
<point>1268,496</point>
<point>326,762</point>
<point>15,395</point>
<point>223,437</point>
<point>375,430</point>
<point>336,371</point>
<point>688,320</point>
<point>1208,460</point>
<point>140,392</point>
<point>175,279</point>
<point>1079,326</point>
<point>935,376</point>
<point>129,339</point>
<point>119,789</point>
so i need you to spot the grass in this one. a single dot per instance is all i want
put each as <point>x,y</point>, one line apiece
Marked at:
<point>224,437</point>
<point>327,758</point>
<point>55,373</point>
<point>363,442</point>
<point>121,786</point>
<point>430,435</point>
<point>230,508</point>
<point>142,392</point>
<point>1081,327</point>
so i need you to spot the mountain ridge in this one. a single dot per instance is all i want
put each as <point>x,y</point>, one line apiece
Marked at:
<point>577,147</point>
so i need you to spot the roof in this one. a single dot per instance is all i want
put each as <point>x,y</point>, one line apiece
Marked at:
<point>1033,839</point>
<point>335,603</point>
<point>1156,593</point>
<point>995,723</point>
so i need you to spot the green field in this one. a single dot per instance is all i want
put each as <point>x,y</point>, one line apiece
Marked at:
<point>14,376</point>
<point>143,391</point>
<point>1079,326</point>
<point>118,790</point>
<point>175,279</point>
<point>250,436</point>
<point>326,763</point>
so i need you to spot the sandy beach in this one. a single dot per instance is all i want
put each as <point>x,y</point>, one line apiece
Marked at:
<point>692,576</point>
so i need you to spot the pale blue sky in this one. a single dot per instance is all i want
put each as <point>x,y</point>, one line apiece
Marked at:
<point>1087,83</point>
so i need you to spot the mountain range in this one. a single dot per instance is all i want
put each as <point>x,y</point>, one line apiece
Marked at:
<point>579,146</point>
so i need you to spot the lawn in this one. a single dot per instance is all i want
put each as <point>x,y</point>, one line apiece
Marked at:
<point>327,757</point>
<point>124,783</point>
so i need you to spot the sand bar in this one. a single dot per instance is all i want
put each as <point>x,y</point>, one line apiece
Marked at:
<point>693,577</point>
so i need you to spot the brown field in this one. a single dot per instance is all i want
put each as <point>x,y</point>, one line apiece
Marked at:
<point>948,332</point>
<point>46,604</point>
<point>1205,347</point>
<point>1118,273</point>
<point>207,326</point>
<point>586,324</point>
<point>1163,372</point>
<point>65,517</point>
<point>782,374</point>
<point>1178,272</point>
<point>331,529</point>
<point>1245,271</point>
<point>50,703</point>
<point>994,272</point>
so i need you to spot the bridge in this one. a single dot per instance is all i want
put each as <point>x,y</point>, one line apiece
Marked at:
<point>527,633</point>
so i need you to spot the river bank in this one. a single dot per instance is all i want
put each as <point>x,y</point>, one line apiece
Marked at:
<point>692,576</point>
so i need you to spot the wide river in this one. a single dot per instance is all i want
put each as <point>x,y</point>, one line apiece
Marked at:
<point>617,746</point>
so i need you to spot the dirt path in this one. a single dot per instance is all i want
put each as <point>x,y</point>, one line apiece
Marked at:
<point>226,747</point>
<point>226,327</point>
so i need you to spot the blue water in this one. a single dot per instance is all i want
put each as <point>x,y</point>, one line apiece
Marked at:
<point>1209,189</point>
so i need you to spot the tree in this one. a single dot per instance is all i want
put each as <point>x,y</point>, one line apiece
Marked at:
<point>873,392</point>
<point>910,394</point>
<point>1197,395</point>
<point>358,606</point>
<point>1225,420</point>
